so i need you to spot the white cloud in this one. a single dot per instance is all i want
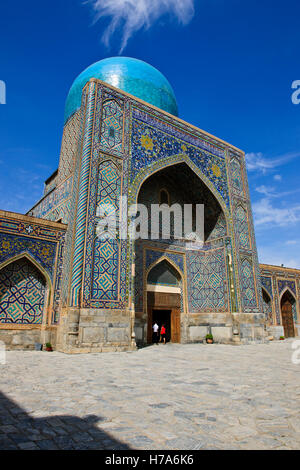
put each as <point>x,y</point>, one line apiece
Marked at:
<point>291,242</point>
<point>267,215</point>
<point>277,177</point>
<point>133,15</point>
<point>257,162</point>
<point>265,190</point>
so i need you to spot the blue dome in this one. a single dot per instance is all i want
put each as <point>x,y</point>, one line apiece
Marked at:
<point>131,75</point>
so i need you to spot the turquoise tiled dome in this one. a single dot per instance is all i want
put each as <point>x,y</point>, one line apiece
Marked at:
<point>131,75</point>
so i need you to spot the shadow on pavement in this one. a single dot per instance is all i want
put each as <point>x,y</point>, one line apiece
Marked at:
<point>18,430</point>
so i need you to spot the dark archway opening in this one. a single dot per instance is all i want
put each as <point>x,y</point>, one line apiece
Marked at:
<point>178,184</point>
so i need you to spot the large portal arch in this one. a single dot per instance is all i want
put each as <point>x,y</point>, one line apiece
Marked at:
<point>172,161</point>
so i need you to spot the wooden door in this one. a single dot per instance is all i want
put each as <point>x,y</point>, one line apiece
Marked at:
<point>287,319</point>
<point>175,325</point>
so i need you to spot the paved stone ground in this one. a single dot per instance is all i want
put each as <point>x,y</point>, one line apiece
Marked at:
<point>160,397</point>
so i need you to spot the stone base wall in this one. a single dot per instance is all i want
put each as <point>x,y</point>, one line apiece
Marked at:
<point>27,338</point>
<point>95,330</point>
<point>225,327</point>
<point>100,330</point>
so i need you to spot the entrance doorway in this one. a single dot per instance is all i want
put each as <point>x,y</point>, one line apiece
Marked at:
<point>164,300</point>
<point>163,317</point>
<point>164,309</point>
<point>287,303</point>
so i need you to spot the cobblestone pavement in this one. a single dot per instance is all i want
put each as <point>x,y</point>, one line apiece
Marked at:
<point>160,397</point>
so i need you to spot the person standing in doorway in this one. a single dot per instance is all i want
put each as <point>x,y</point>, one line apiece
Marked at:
<point>163,334</point>
<point>155,333</point>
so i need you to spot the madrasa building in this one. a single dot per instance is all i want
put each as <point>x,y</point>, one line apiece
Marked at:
<point>63,283</point>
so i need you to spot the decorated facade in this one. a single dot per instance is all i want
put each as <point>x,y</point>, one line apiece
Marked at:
<point>62,281</point>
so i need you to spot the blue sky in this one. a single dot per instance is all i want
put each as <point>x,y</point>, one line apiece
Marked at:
<point>231,64</point>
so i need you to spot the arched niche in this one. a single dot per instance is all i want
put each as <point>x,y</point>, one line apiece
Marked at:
<point>164,299</point>
<point>24,292</point>
<point>288,313</point>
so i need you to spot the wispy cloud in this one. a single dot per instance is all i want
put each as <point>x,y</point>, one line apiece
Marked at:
<point>132,15</point>
<point>270,192</point>
<point>258,162</point>
<point>268,215</point>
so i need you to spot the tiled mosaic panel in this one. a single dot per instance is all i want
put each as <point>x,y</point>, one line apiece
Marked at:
<point>236,176</point>
<point>294,309</point>
<point>152,256</point>
<point>106,252</point>
<point>50,186</point>
<point>184,132</point>
<point>106,267</point>
<point>267,306</point>
<point>283,284</point>
<point>41,250</point>
<point>247,286</point>
<point>109,186</point>
<point>69,147</point>
<point>207,281</point>
<point>266,282</point>
<point>242,228</point>
<point>53,200</point>
<point>22,293</point>
<point>150,145</point>
<point>112,126</point>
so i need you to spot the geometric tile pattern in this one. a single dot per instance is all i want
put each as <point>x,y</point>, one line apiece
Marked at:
<point>112,126</point>
<point>266,282</point>
<point>22,293</point>
<point>109,185</point>
<point>267,305</point>
<point>242,228</point>
<point>42,251</point>
<point>283,283</point>
<point>207,281</point>
<point>69,147</point>
<point>151,145</point>
<point>152,256</point>
<point>105,273</point>
<point>54,199</point>
<point>236,176</point>
<point>105,184</point>
<point>83,197</point>
<point>43,243</point>
<point>106,252</point>
<point>247,285</point>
